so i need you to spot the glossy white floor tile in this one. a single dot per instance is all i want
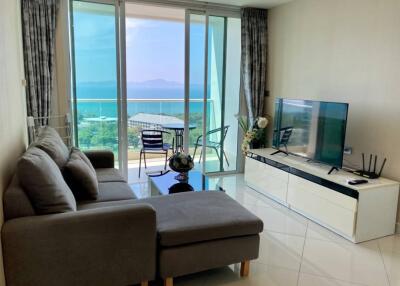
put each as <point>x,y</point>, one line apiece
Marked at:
<point>312,280</point>
<point>315,231</point>
<point>296,251</point>
<point>280,220</point>
<point>281,250</point>
<point>390,249</point>
<point>390,243</point>
<point>261,275</point>
<point>358,263</point>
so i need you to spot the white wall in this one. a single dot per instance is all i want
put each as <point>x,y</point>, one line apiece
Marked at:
<point>12,98</point>
<point>343,50</point>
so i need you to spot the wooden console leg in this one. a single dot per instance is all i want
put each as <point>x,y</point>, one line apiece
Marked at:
<point>168,281</point>
<point>144,283</point>
<point>244,268</point>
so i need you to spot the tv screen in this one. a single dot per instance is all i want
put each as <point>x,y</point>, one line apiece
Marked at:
<point>311,129</point>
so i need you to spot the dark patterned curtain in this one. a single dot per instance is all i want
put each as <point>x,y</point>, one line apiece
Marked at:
<point>38,25</point>
<point>254,59</point>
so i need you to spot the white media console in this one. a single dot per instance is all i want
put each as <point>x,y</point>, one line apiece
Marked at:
<point>356,212</point>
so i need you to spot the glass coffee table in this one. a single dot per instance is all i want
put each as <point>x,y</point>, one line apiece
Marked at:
<point>164,183</point>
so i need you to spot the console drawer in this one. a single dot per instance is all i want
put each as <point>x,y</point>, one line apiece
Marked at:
<point>327,194</point>
<point>328,207</point>
<point>266,179</point>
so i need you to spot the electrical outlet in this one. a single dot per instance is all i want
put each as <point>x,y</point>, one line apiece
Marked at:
<point>348,150</point>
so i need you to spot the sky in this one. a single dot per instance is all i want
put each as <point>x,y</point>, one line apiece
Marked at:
<point>155,49</point>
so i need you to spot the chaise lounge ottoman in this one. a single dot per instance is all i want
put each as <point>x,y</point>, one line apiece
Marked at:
<point>203,230</point>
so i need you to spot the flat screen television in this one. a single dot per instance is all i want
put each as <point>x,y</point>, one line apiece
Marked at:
<point>312,129</point>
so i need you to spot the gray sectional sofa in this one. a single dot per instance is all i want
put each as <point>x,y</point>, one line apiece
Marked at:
<point>116,239</point>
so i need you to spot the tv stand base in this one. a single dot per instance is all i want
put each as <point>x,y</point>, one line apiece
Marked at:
<point>280,151</point>
<point>333,169</point>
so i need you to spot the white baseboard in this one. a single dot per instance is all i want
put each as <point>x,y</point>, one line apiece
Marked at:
<point>398,228</point>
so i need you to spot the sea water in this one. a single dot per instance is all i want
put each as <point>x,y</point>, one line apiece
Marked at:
<point>145,99</point>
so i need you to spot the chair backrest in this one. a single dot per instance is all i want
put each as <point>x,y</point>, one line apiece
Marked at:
<point>287,132</point>
<point>226,128</point>
<point>152,139</point>
<point>223,132</point>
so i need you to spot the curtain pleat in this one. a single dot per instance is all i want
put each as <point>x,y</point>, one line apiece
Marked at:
<point>254,59</point>
<point>38,26</point>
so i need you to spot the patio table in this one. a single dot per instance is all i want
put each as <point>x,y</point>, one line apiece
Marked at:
<point>178,128</point>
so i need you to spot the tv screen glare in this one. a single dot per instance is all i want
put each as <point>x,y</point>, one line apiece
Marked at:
<point>312,129</point>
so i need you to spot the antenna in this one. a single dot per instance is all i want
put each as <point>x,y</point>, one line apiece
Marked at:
<point>370,161</point>
<point>363,161</point>
<point>383,165</point>
<point>376,157</point>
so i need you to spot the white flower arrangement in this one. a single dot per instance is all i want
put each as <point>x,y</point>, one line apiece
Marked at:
<point>262,122</point>
<point>253,131</point>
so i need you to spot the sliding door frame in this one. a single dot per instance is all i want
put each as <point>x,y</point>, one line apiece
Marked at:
<point>122,98</point>
<point>207,14</point>
<point>195,6</point>
<point>204,138</point>
<point>188,13</point>
<point>74,103</point>
<point>191,7</point>
<point>120,44</point>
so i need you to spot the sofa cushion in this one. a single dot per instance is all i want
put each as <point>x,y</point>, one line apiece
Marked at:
<point>16,202</point>
<point>201,216</point>
<point>89,205</point>
<point>101,158</point>
<point>112,191</point>
<point>50,141</point>
<point>81,176</point>
<point>108,175</point>
<point>82,155</point>
<point>43,183</point>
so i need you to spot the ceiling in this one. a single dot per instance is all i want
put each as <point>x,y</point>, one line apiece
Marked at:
<point>249,3</point>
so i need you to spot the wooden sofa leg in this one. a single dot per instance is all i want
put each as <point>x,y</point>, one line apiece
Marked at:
<point>244,268</point>
<point>168,281</point>
<point>144,283</point>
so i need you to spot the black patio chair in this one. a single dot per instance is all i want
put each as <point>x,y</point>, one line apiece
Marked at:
<point>153,143</point>
<point>212,144</point>
<point>285,134</point>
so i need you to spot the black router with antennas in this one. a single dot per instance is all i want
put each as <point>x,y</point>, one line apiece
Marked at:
<point>370,174</point>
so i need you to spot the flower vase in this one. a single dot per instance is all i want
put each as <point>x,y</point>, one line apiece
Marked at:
<point>182,177</point>
<point>255,144</point>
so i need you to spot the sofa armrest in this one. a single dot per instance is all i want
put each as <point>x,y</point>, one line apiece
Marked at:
<point>106,246</point>
<point>101,158</point>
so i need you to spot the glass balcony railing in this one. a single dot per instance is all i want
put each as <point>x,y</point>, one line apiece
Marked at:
<point>97,120</point>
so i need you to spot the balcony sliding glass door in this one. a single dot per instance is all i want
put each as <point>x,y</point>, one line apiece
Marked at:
<point>213,73</point>
<point>95,75</point>
<point>138,66</point>
<point>155,61</point>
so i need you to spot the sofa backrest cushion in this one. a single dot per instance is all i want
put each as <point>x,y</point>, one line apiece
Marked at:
<point>43,183</point>
<point>50,141</point>
<point>81,176</point>
<point>83,156</point>
<point>16,202</point>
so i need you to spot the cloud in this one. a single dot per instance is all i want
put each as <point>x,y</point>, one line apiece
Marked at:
<point>131,26</point>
